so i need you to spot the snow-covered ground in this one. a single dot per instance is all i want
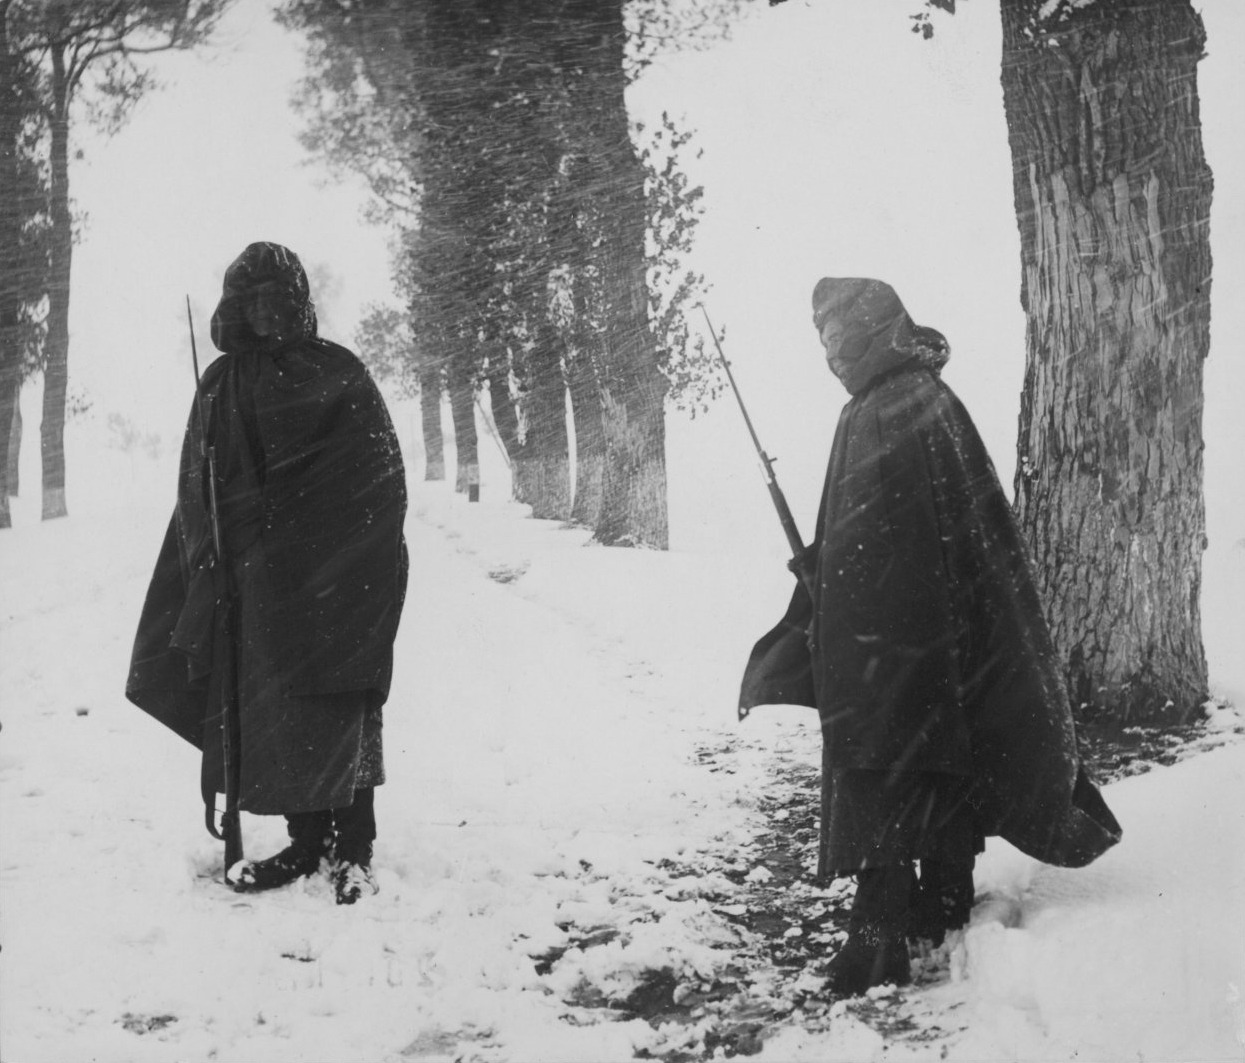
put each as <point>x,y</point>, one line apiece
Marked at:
<point>561,748</point>
<point>573,817</point>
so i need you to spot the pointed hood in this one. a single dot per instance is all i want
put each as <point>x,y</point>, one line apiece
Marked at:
<point>263,264</point>
<point>878,334</point>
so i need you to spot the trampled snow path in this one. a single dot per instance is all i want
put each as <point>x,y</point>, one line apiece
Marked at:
<point>555,713</point>
<point>532,774</point>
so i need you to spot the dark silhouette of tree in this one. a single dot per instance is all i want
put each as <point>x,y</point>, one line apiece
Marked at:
<point>24,221</point>
<point>510,253</point>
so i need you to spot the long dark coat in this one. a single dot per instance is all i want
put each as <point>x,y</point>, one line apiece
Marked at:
<point>312,499</point>
<point>923,644</point>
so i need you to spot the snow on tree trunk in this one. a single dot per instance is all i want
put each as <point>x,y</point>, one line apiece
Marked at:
<point>56,371</point>
<point>1113,200</point>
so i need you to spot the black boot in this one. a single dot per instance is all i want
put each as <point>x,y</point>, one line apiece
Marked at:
<point>311,840</point>
<point>876,951</point>
<point>944,900</point>
<point>355,827</point>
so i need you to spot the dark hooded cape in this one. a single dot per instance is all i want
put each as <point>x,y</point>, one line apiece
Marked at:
<point>923,644</point>
<point>312,499</point>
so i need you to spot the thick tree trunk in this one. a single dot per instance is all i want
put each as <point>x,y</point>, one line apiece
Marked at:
<point>1113,201</point>
<point>462,409</point>
<point>430,419</point>
<point>632,388</point>
<point>56,372</point>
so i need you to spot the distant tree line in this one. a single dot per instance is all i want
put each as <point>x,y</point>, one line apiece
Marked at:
<point>24,256</point>
<point>527,225</point>
<point>537,249</point>
<point>59,61</point>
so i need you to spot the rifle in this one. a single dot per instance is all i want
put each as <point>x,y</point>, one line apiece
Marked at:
<point>796,566</point>
<point>767,465</point>
<point>230,831</point>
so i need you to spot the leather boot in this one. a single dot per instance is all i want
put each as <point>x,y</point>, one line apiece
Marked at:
<point>311,840</point>
<point>355,831</point>
<point>876,951</point>
<point>943,901</point>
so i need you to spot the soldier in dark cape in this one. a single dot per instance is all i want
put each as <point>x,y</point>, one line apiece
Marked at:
<point>311,500</point>
<point>917,633</point>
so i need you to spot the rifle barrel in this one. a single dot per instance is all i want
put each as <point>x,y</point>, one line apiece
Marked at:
<point>767,465</point>
<point>756,442</point>
<point>226,679</point>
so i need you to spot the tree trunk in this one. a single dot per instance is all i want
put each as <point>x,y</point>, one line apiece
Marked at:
<point>589,440</point>
<point>462,408</point>
<point>56,372</point>
<point>9,417</point>
<point>542,465</point>
<point>430,417</point>
<point>501,404</point>
<point>13,459</point>
<point>513,417</point>
<point>10,278</point>
<point>632,388</point>
<point>1113,200</point>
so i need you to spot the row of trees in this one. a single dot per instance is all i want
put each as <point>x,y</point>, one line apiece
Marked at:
<point>537,253</point>
<point>59,61</point>
<point>536,248</point>
<point>495,137</point>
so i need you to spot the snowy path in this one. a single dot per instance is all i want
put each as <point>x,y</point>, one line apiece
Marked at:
<point>533,770</point>
<point>572,822</point>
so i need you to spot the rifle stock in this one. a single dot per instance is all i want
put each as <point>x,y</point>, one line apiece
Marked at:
<point>224,679</point>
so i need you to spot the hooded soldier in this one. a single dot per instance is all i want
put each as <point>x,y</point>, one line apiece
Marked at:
<point>297,625</point>
<point>917,633</point>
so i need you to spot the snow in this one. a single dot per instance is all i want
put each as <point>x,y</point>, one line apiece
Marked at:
<point>572,808</point>
<point>550,744</point>
<point>1051,6</point>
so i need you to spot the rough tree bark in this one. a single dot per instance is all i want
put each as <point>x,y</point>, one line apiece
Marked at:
<point>1113,199</point>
